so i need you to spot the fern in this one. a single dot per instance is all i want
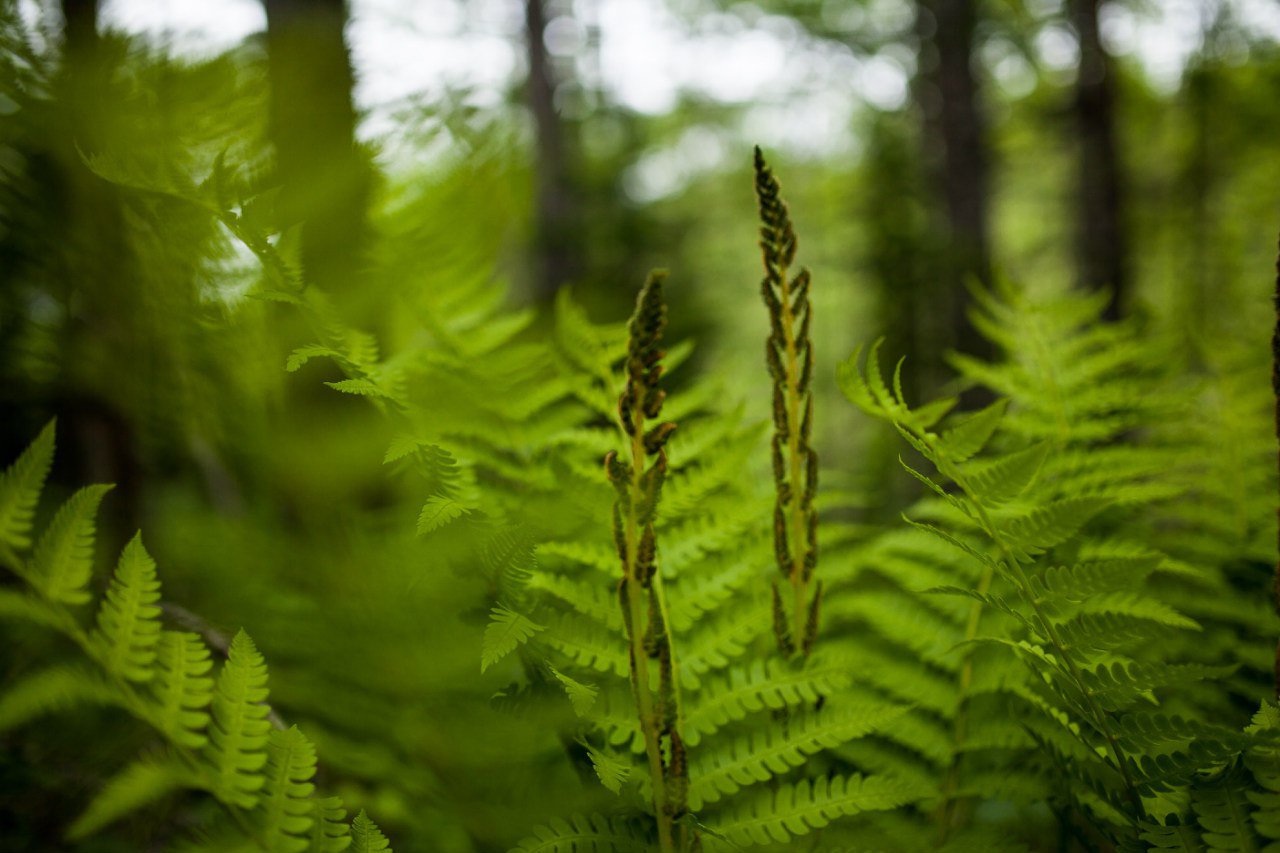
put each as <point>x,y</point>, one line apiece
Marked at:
<point>140,784</point>
<point>20,490</point>
<point>799,808</point>
<point>238,737</point>
<point>581,834</point>
<point>219,735</point>
<point>63,560</point>
<point>1028,505</point>
<point>183,688</point>
<point>505,632</point>
<point>286,808</point>
<point>366,837</point>
<point>128,621</point>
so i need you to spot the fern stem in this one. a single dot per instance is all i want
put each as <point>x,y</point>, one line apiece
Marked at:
<point>643,602</point>
<point>961,728</point>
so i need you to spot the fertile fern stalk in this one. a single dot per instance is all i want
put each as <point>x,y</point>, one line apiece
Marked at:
<point>789,354</point>
<point>638,485</point>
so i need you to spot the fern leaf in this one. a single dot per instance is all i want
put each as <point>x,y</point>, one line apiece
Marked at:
<point>581,696</point>
<point>799,808</point>
<point>359,387</point>
<point>20,488</point>
<point>140,784</point>
<point>49,691</point>
<point>611,770</point>
<point>129,618</point>
<point>366,837</point>
<point>1172,836</point>
<point>1223,813</point>
<point>183,688</point>
<point>302,355</point>
<point>579,834</point>
<point>506,630</point>
<point>1005,478</point>
<point>63,560</point>
<point>286,807</point>
<point>329,830</point>
<point>967,438</point>
<point>765,685</point>
<point>1051,524</point>
<point>760,756</point>
<point>29,607</point>
<point>238,737</point>
<point>439,511</point>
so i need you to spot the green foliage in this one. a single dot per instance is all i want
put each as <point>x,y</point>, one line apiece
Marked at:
<point>219,733</point>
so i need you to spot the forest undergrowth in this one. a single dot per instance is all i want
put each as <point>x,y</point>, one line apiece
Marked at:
<point>607,598</point>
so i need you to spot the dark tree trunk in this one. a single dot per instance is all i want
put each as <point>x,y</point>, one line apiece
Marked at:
<point>955,158</point>
<point>555,226</point>
<point>1102,259</point>
<point>325,181</point>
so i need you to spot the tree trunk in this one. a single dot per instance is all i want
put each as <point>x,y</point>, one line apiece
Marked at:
<point>325,181</point>
<point>1102,259</point>
<point>555,226</point>
<point>955,158</point>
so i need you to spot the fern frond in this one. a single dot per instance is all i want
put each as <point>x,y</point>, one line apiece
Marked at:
<point>129,618</point>
<point>63,560</point>
<point>759,756</point>
<point>366,837</point>
<point>20,488</point>
<point>237,748</point>
<point>438,512</point>
<point>286,808</point>
<point>183,688</point>
<point>52,690</point>
<point>799,808</point>
<point>329,830</point>
<point>505,632</point>
<point>1223,813</point>
<point>764,685</point>
<point>582,834</point>
<point>139,784</point>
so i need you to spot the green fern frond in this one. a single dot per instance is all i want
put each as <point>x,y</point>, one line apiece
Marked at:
<point>129,618</point>
<point>20,488</point>
<point>183,688</point>
<point>138,785</point>
<point>763,685</point>
<point>581,696</point>
<point>506,631</point>
<point>582,834</point>
<point>612,770</point>
<point>237,748</point>
<point>438,512</point>
<point>366,837</point>
<point>50,691</point>
<point>800,808</point>
<point>329,830</point>
<point>32,608</point>
<point>759,756</point>
<point>1222,811</point>
<point>63,560</point>
<point>286,808</point>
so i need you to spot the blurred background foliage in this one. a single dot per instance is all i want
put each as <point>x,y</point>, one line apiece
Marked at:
<point>164,199</point>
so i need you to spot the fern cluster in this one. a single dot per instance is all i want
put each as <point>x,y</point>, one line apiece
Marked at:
<point>1060,638</point>
<point>215,732</point>
<point>1068,673</point>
